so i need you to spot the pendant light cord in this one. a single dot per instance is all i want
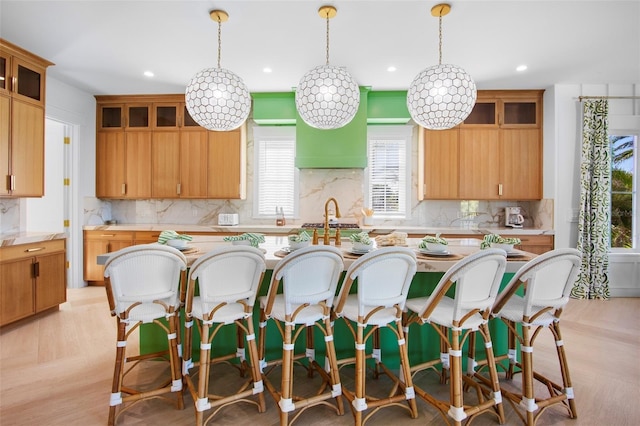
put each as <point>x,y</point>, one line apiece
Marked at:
<point>440,43</point>
<point>327,38</point>
<point>219,39</point>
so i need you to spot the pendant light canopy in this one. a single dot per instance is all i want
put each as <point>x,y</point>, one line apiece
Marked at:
<point>327,97</point>
<point>217,99</point>
<point>441,96</point>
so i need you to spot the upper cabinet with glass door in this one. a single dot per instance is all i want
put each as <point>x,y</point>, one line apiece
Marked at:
<point>22,74</point>
<point>173,115</point>
<point>506,109</point>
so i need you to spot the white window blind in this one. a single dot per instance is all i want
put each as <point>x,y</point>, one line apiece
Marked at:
<point>275,171</point>
<point>388,173</point>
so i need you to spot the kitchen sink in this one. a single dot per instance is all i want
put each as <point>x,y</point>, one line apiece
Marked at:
<point>320,225</point>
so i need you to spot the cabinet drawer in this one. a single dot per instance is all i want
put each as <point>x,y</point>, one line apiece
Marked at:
<point>533,239</point>
<point>109,235</point>
<point>22,251</point>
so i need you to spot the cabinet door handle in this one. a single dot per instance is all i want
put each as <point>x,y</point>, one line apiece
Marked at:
<point>12,182</point>
<point>14,84</point>
<point>107,235</point>
<point>31,250</point>
<point>499,189</point>
<point>124,188</point>
<point>179,188</point>
<point>36,269</point>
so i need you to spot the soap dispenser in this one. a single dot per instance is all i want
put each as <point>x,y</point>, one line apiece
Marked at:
<point>280,220</point>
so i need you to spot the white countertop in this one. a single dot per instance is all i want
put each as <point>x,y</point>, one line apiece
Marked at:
<point>12,239</point>
<point>273,244</point>
<point>289,228</point>
<point>9,239</point>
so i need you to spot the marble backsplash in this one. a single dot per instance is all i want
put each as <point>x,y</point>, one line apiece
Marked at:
<point>316,187</point>
<point>321,185</point>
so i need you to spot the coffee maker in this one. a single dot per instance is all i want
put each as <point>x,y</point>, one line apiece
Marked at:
<point>513,217</point>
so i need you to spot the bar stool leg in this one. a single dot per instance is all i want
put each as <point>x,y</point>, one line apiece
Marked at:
<point>255,364</point>
<point>456,409</point>
<point>359,403</point>
<point>493,372</point>
<point>406,370</point>
<point>444,356</point>
<point>330,350</point>
<point>513,353</point>
<point>528,399</point>
<point>202,403</point>
<point>175,359</point>
<point>118,371</point>
<point>564,369</point>
<point>286,403</point>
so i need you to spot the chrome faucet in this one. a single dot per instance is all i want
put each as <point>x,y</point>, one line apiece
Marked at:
<point>327,235</point>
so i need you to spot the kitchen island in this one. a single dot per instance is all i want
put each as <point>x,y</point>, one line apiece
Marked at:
<point>424,343</point>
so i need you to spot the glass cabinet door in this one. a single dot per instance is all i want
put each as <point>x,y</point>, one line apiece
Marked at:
<point>28,80</point>
<point>110,117</point>
<point>138,116</point>
<point>483,113</point>
<point>4,72</point>
<point>520,112</point>
<point>166,116</point>
<point>188,120</point>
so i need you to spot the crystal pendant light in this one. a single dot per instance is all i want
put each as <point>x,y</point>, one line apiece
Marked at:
<point>327,97</point>
<point>441,96</point>
<point>217,99</point>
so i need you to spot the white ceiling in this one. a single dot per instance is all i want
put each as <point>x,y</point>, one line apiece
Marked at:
<point>104,47</point>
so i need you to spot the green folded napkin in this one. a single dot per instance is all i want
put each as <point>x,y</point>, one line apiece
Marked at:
<point>172,235</point>
<point>253,238</point>
<point>495,238</point>
<point>299,238</point>
<point>437,239</point>
<point>361,237</point>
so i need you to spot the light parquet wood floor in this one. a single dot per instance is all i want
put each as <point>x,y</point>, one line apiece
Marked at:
<point>56,370</point>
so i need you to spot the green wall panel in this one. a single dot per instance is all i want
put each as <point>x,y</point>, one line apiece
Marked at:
<point>387,107</point>
<point>272,108</point>
<point>338,148</point>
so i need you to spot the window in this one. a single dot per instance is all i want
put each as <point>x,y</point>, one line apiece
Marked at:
<point>276,177</point>
<point>624,187</point>
<point>388,175</point>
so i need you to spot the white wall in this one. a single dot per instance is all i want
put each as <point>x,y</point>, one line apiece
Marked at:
<point>67,104</point>
<point>47,213</point>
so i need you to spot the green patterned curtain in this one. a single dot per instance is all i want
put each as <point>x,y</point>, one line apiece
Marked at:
<point>594,224</point>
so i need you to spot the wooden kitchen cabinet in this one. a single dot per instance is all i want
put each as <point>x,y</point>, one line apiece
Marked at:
<point>227,164</point>
<point>441,164</point>
<point>179,154</point>
<point>538,244</point>
<point>22,103</point>
<point>499,151</point>
<point>148,146</point>
<point>100,242</point>
<point>32,279</point>
<point>123,149</point>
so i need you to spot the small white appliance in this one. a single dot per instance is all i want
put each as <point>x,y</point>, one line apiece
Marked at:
<point>228,219</point>
<point>513,217</point>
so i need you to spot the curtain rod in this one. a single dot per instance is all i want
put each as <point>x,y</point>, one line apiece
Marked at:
<point>607,97</point>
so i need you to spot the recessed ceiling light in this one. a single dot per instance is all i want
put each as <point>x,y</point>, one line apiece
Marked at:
<point>148,74</point>
<point>266,69</point>
<point>521,68</point>
<point>391,69</point>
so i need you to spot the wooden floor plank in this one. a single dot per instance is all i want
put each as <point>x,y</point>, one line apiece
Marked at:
<point>56,370</point>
